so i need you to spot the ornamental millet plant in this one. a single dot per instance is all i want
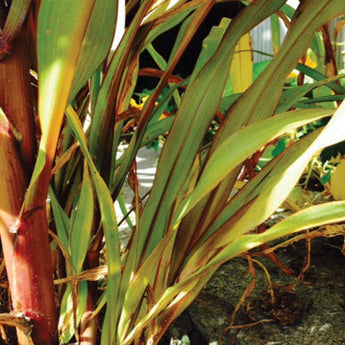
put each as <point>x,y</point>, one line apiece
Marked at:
<point>59,135</point>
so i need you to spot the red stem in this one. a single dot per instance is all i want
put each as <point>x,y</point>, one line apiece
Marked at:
<point>24,240</point>
<point>32,287</point>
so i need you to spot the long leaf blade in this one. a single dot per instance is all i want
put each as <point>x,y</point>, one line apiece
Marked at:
<point>60,32</point>
<point>97,41</point>
<point>192,121</point>
<point>109,223</point>
<point>82,223</point>
<point>260,133</point>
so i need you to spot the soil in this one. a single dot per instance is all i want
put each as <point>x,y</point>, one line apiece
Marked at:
<point>306,312</point>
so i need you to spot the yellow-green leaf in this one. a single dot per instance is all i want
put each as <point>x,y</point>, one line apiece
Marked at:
<point>337,188</point>
<point>260,133</point>
<point>60,32</point>
<point>241,70</point>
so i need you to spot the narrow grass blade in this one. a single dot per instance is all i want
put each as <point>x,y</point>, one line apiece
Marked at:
<point>275,32</point>
<point>311,217</point>
<point>187,289</point>
<point>109,222</point>
<point>82,220</point>
<point>260,101</point>
<point>318,76</point>
<point>61,220</point>
<point>191,123</point>
<point>66,320</point>
<point>158,9</point>
<point>143,278</point>
<point>102,127</point>
<point>291,97</point>
<point>210,45</point>
<point>180,45</point>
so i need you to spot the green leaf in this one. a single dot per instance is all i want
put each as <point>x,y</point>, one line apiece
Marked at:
<point>318,76</point>
<point>143,278</point>
<point>210,45</point>
<point>102,125</point>
<point>158,10</point>
<point>60,32</point>
<point>97,41</point>
<point>183,39</point>
<point>66,320</point>
<point>259,68</point>
<point>275,32</point>
<point>311,217</point>
<point>168,21</point>
<point>123,207</point>
<point>293,96</point>
<point>61,220</point>
<point>262,97</point>
<point>275,188</point>
<point>228,158</point>
<point>198,107</point>
<point>109,222</point>
<point>158,58</point>
<point>82,223</point>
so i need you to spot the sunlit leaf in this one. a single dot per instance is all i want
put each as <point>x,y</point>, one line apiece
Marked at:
<point>241,71</point>
<point>314,216</point>
<point>97,41</point>
<point>60,33</point>
<point>261,133</point>
<point>337,188</point>
<point>275,188</point>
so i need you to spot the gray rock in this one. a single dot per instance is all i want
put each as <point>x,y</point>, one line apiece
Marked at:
<point>312,313</point>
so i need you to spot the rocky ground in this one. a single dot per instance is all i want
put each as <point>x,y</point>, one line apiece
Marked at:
<point>312,313</point>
